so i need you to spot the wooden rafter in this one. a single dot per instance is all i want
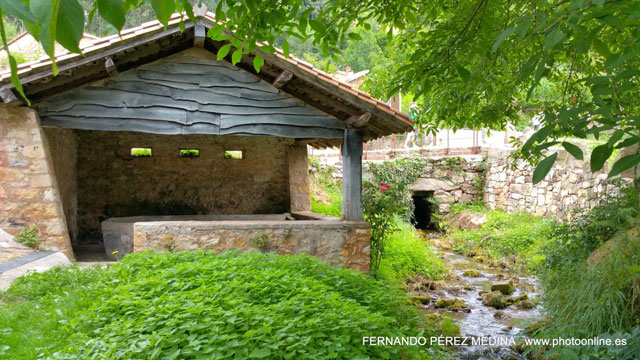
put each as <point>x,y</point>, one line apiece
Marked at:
<point>282,79</point>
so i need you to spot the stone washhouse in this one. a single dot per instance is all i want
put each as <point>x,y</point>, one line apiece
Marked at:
<point>147,141</point>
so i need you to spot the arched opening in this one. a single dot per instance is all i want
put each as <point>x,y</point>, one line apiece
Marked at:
<point>423,210</point>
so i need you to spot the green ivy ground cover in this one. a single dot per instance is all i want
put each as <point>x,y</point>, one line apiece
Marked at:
<point>198,305</point>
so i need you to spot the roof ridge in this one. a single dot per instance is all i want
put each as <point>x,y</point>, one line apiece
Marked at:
<point>175,18</point>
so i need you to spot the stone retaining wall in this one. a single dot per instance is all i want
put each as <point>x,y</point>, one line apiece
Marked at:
<point>339,242</point>
<point>452,180</point>
<point>569,186</point>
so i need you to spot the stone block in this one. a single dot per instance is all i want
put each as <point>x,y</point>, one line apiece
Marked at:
<point>40,180</point>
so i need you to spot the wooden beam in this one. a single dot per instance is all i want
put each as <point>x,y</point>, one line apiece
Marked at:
<point>352,175</point>
<point>358,121</point>
<point>110,66</point>
<point>7,95</point>
<point>282,79</point>
<point>199,34</point>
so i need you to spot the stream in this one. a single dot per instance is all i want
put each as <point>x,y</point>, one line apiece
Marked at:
<point>476,319</point>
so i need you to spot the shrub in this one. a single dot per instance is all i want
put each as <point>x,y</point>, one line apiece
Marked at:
<point>194,305</point>
<point>518,236</point>
<point>29,237</point>
<point>591,277</point>
<point>574,242</point>
<point>387,195</point>
<point>406,254</point>
<point>586,300</point>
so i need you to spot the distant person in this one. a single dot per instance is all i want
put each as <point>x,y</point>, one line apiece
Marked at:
<point>411,135</point>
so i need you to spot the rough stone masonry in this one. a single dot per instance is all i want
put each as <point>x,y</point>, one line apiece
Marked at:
<point>28,187</point>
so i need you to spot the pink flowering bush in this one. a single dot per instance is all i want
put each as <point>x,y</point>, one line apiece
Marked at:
<point>384,196</point>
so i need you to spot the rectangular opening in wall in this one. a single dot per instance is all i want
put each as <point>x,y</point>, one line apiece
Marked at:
<point>233,154</point>
<point>189,153</point>
<point>141,152</point>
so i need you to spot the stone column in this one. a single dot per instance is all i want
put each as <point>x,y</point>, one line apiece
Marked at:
<point>299,188</point>
<point>28,189</point>
<point>352,175</point>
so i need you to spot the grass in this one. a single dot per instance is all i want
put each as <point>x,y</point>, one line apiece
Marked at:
<point>517,237</point>
<point>326,195</point>
<point>198,305</point>
<point>327,200</point>
<point>407,254</point>
<point>587,300</point>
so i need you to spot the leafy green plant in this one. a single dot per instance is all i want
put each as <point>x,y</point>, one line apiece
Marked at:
<point>326,197</point>
<point>591,271</point>
<point>141,152</point>
<point>259,241</point>
<point>189,153</point>
<point>29,237</point>
<point>407,254</point>
<point>387,197</point>
<point>520,237</point>
<point>199,304</point>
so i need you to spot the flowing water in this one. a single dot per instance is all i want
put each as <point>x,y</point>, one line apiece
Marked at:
<point>479,320</point>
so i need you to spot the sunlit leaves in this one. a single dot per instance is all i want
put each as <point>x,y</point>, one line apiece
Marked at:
<point>236,56</point>
<point>223,51</point>
<point>258,62</point>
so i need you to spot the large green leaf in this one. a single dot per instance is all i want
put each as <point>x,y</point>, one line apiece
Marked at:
<point>575,151</point>
<point>15,80</point>
<point>258,62</point>
<point>46,11</point>
<point>163,10</point>
<point>599,156</point>
<point>18,9</point>
<point>285,48</point>
<point>236,56</point>
<point>554,37</point>
<point>113,12</point>
<point>505,34</point>
<point>544,167</point>
<point>223,51</point>
<point>624,163</point>
<point>70,27</point>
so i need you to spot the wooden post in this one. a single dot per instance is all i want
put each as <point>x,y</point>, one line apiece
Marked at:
<point>352,175</point>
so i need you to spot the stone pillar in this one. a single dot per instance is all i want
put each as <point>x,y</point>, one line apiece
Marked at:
<point>28,189</point>
<point>299,188</point>
<point>352,175</point>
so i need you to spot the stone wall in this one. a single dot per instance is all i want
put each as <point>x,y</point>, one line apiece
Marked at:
<point>112,183</point>
<point>28,187</point>
<point>299,186</point>
<point>452,180</point>
<point>569,186</point>
<point>339,242</point>
<point>64,149</point>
